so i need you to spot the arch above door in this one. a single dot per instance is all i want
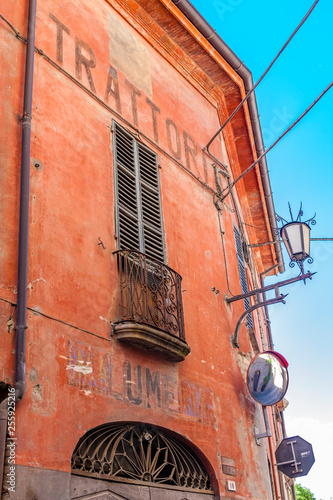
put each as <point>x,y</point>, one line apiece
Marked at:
<point>120,461</point>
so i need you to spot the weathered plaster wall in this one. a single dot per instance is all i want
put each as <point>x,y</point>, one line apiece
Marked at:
<point>78,379</point>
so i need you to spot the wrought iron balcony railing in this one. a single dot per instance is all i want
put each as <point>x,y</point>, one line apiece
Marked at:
<point>150,293</point>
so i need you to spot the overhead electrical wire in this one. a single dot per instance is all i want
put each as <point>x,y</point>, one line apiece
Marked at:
<point>231,185</point>
<point>262,76</point>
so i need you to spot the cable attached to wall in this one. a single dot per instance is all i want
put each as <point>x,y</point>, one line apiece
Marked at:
<point>39,313</point>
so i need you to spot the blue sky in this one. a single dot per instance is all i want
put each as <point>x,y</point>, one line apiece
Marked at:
<point>301,169</point>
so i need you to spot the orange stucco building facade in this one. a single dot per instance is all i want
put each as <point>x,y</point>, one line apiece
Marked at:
<point>128,330</point>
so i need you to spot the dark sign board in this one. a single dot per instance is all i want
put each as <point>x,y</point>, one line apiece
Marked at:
<point>294,457</point>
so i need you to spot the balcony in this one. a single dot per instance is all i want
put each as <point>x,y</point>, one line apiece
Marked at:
<point>150,311</point>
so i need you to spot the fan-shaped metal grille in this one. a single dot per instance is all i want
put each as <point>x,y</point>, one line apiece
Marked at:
<point>138,454</point>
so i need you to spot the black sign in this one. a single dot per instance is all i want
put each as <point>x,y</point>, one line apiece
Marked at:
<point>294,457</point>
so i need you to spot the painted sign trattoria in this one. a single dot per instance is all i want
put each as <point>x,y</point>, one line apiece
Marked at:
<point>122,95</point>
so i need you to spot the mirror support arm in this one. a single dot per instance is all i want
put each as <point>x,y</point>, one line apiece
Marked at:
<point>268,432</point>
<point>278,299</point>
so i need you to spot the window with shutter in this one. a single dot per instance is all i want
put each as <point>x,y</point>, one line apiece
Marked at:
<point>138,205</point>
<point>242,274</point>
<point>150,313</point>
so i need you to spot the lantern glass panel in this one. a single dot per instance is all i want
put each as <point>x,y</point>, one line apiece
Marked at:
<point>296,237</point>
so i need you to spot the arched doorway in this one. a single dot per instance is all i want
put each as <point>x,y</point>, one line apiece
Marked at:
<point>136,462</point>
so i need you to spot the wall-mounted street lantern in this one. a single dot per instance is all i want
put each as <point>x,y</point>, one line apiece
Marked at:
<point>296,237</point>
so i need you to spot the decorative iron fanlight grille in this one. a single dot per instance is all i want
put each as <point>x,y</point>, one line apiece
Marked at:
<point>135,453</point>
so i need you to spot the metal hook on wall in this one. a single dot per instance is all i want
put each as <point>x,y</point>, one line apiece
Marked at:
<point>101,243</point>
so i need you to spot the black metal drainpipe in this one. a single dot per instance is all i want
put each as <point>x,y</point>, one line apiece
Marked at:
<point>21,313</point>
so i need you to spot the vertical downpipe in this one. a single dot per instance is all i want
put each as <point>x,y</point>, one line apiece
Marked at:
<point>21,315</point>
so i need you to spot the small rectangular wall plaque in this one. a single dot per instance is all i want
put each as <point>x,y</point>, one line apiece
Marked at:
<point>228,466</point>
<point>228,469</point>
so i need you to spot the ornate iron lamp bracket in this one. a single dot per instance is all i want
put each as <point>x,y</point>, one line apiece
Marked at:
<point>278,298</point>
<point>248,311</point>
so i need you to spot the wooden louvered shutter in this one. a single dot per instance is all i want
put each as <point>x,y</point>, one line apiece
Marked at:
<point>150,204</point>
<point>138,208</point>
<point>242,274</point>
<point>127,216</point>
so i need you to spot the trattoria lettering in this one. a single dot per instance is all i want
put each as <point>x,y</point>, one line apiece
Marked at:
<point>181,145</point>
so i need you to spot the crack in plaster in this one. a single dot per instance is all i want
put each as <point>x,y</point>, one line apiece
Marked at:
<point>30,287</point>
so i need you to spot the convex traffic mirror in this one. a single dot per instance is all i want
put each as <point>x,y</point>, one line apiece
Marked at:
<point>267,378</point>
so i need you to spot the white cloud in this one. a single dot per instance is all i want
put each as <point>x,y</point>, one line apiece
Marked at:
<point>320,435</point>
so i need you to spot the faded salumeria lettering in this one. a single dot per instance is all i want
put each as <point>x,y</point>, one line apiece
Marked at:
<point>93,370</point>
